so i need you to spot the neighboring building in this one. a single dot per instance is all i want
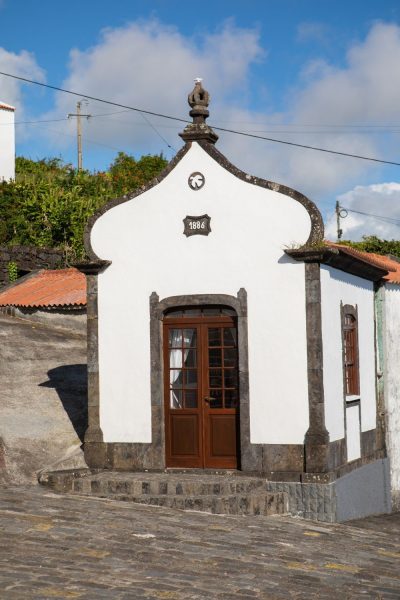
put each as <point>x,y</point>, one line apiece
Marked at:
<point>7,143</point>
<point>387,330</point>
<point>56,298</point>
<point>387,302</point>
<point>211,344</point>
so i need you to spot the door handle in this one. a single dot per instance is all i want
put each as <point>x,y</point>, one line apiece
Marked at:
<point>208,399</point>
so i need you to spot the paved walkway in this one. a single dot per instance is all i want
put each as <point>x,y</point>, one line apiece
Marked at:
<point>58,546</point>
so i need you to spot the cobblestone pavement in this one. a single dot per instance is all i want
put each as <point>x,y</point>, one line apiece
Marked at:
<point>58,546</point>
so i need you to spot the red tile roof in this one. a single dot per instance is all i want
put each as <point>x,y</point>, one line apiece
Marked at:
<point>377,260</point>
<point>64,287</point>
<point>7,106</point>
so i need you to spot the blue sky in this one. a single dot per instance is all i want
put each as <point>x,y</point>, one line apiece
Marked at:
<point>322,72</point>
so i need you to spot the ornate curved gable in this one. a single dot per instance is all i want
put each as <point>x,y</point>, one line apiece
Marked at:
<point>200,132</point>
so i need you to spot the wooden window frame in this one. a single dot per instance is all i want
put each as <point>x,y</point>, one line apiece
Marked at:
<point>351,369</point>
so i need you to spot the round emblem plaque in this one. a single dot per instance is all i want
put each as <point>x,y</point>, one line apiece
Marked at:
<point>196,181</point>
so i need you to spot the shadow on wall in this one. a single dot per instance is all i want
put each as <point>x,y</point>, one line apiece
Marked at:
<point>70,383</point>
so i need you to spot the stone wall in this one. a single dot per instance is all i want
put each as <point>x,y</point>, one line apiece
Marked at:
<point>28,258</point>
<point>360,493</point>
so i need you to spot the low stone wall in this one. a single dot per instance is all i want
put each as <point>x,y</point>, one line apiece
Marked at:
<point>27,259</point>
<point>360,493</point>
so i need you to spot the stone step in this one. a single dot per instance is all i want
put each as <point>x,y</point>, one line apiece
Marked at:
<point>166,486</point>
<point>230,494</point>
<point>250,504</point>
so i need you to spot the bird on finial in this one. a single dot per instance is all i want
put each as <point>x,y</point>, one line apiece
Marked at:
<point>198,100</point>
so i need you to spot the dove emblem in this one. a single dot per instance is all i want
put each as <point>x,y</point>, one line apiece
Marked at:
<point>196,181</point>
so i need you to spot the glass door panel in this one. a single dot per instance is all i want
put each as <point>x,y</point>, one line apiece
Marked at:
<point>201,390</point>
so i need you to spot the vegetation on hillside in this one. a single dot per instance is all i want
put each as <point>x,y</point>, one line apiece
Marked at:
<point>50,202</point>
<point>371,243</point>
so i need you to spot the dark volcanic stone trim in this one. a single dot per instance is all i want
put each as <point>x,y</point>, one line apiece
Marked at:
<point>135,457</point>
<point>334,257</point>
<point>239,304</point>
<point>368,444</point>
<point>199,131</point>
<point>283,458</point>
<point>317,437</point>
<point>337,454</point>
<point>94,448</point>
<point>93,268</point>
<point>116,201</point>
<point>317,225</point>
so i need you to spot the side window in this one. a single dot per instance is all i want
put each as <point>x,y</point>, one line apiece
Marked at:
<point>350,350</point>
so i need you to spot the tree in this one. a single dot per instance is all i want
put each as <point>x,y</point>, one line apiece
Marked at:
<point>127,174</point>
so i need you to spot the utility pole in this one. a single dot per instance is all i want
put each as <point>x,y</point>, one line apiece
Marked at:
<point>338,229</point>
<point>78,116</point>
<point>341,213</point>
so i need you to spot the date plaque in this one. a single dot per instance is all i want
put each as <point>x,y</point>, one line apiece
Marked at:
<point>197,225</point>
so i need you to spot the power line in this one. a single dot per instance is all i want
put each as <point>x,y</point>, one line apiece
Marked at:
<point>87,140</point>
<point>259,137</point>
<point>118,112</point>
<point>147,121</point>
<point>226,130</point>
<point>110,102</point>
<point>341,129</point>
<point>156,131</point>
<point>332,126</point>
<point>381,217</point>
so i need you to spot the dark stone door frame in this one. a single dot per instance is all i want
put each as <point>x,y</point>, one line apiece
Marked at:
<point>157,310</point>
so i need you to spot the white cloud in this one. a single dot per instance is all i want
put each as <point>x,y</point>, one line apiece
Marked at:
<point>364,91</point>
<point>152,66</point>
<point>324,106</point>
<point>24,65</point>
<point>379,200</point>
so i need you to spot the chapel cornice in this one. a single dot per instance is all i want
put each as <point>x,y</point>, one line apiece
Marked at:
<point>338,258</point>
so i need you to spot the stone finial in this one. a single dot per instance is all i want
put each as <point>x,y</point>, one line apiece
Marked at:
<point>198,100</point>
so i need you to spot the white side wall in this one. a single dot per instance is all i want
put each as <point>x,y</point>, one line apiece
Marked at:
<point>353,432</point>
<point>250,228</point>
<point>7,145</point>
<point>336,287</point>
<point>392,379</point>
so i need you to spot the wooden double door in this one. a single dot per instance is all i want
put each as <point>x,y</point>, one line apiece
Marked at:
<point>201,388</point>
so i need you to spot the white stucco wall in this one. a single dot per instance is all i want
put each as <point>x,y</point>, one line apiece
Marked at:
<point>144,240</point>
<point>336,287</point>
<point>7,143</point>
<point>353,432</point>
<point>392,380</point>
